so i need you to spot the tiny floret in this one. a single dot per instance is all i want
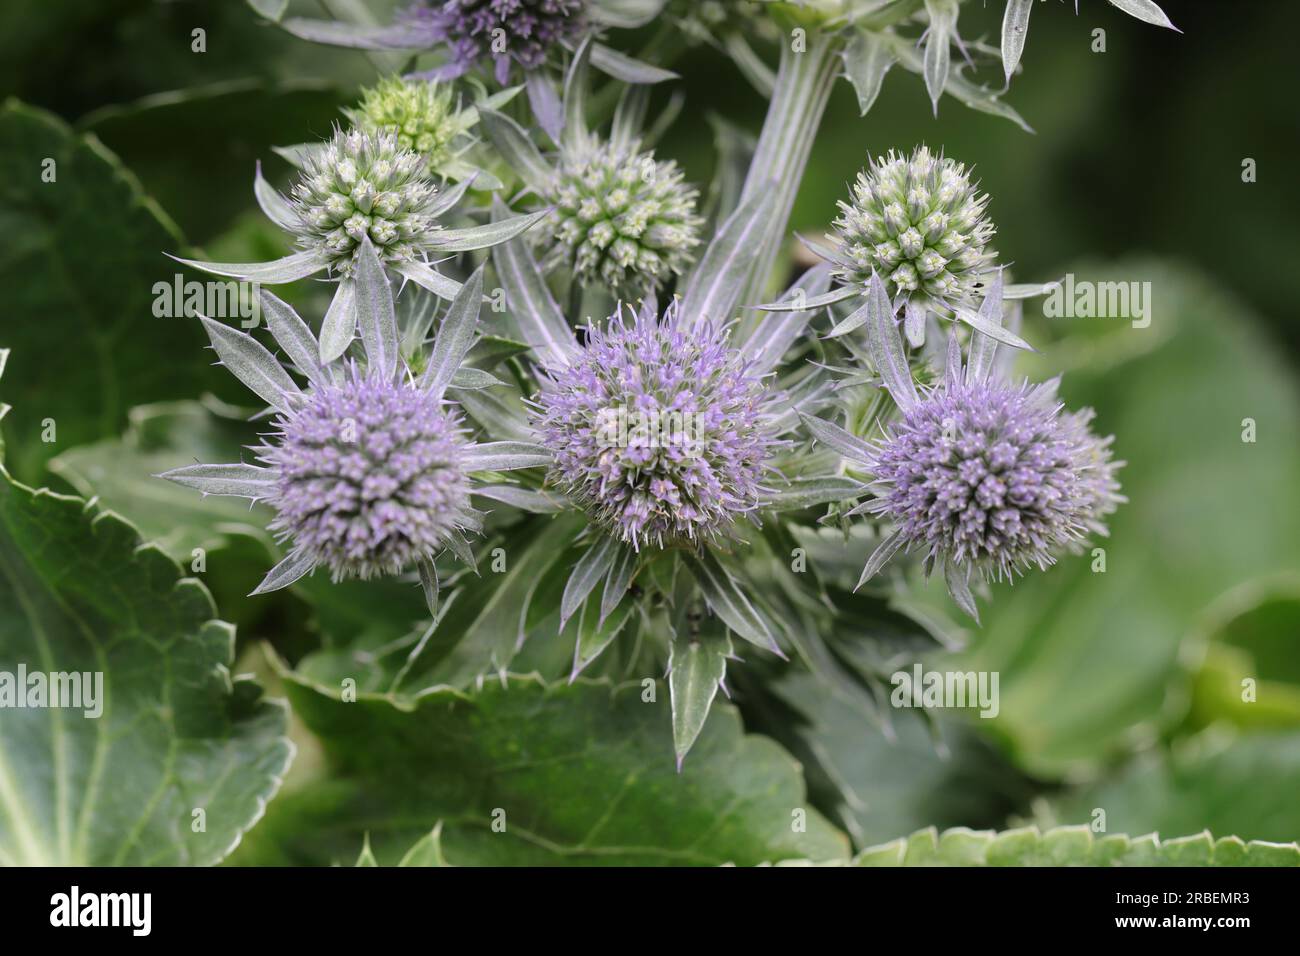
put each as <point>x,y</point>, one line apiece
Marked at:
<point>659,430</point>
<point>369,477</point>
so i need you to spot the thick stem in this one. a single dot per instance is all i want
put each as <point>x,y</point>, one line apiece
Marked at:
<point>803,88</point>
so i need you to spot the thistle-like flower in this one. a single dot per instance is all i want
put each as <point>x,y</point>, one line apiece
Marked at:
<point>919,222</point>
<point>660,430</point>
<point>364,185</point>
<point>367,469</point>
<point>369,476</point>
<point>502,33</point>
<point>985,477</point>
<point>622,218</point>
<point>503,36</point>
<point>363,188</point>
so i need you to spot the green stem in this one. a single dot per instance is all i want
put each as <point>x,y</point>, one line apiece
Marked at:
<point>803,88</point>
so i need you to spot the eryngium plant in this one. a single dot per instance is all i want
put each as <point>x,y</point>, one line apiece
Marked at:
<point>497,38</point>
<point>498,34</point>
<point>983,477</point>
<point>623,218</point>
<point>368,469</point>
<point>674,462</point>
<point>364,185</point>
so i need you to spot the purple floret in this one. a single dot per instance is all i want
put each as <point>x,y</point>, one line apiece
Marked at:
<point>659,431</point>
<point>370,477</point>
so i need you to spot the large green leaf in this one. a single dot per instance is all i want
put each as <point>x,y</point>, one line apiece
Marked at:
<point>1072,846</point>
<point>122,472</point>
<point>252,116</point>
<point>1243,785</point>
<point>1088,660</point>
<point>183,757</point>
<point>578,774</point>
<point>79,266</point>
<point>876,782</point>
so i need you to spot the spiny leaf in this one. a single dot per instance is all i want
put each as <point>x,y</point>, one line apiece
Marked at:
<point>1071,846</point>
<point>175,733</point>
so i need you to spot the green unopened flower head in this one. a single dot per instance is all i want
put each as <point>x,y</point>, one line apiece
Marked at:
<point>623,218</point>
<point>364,184</point>
<point>919,223</point>
<point>421,114</point>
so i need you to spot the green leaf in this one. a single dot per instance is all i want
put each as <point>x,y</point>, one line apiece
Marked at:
<point>866,61</point>
<point>1071,846</point>
<point>876,781</point>
<point>120,471</point>
<point>696,668</point>
<point>726,599</point>
<point>427,851</point>
<point>84,254</point>
<point>569,774</point>
<point>178,734</point>
<point>1244,785</point>
<point>486,621</point>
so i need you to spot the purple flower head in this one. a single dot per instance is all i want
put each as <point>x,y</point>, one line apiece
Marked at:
<point>659,429</point>
<point>369,476</point>
<point>505,31</point>
<point>992,478</point>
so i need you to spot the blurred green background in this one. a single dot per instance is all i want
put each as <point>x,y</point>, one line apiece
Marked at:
<point>1125,685</point>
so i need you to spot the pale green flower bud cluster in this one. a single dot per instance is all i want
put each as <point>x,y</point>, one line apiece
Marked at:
<point>919,223</point>
<point>422,115</point>
<point>623,218</point>
<point>364,184</point>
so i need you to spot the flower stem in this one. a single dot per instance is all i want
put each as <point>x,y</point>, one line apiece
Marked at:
<point>803,88</point>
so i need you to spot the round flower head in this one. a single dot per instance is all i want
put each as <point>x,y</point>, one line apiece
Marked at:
<point>505,32</point>
<point>422,115</point>
<point>622,218</point>
<point>919,223</point>
<point>993,478</point>
<point>363,184</point>
<point>369,476</point>
<point>658,429</point>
